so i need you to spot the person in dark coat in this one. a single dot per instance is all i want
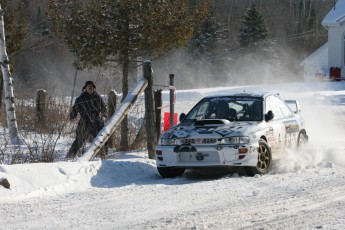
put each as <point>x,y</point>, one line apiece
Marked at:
<point>92,110</point>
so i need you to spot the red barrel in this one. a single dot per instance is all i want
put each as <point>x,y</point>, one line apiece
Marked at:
<point>335,73</point>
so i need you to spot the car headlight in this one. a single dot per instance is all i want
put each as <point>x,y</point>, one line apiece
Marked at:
<point>235,140</point>
<point>167,141</point>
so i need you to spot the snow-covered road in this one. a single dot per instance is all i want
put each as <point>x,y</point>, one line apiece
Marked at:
<point>305,190</point>
<point>311,198</point>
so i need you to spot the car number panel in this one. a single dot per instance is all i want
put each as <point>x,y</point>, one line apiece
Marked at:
<point>206,157</point>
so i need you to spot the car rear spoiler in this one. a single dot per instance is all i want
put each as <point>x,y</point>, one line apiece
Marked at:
<point>294,105</point>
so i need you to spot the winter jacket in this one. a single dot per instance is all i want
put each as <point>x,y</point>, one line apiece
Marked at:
<point>90,107</point>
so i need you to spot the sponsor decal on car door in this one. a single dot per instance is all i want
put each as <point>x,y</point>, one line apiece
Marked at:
<point>276,135</point>
<point>291,133</point>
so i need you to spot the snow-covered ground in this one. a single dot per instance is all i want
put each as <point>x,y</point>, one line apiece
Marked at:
<point>305,190</point>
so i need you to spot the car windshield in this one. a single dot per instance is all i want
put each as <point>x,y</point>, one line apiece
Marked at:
<point>232,108</point>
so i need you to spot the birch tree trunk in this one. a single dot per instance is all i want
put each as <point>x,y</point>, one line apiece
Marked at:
<point>8,86</point>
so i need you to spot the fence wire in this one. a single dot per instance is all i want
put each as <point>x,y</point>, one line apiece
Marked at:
<point>49,138</point>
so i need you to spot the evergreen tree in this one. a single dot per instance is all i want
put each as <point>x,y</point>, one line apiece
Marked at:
<point>211,46</point>
<point>210,36</point>
<point>104,31</point>
<point>254,30</point>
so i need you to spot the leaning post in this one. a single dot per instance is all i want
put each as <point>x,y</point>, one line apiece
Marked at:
<point>149,110</point>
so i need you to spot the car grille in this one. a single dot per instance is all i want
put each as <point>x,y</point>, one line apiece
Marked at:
<point>190,141</point>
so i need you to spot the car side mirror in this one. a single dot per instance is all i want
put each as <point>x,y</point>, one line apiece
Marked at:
<point>269,116</point>
<point>294,106</point>
<point>182,117</point>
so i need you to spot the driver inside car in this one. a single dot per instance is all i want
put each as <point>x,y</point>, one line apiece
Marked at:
<point>254,112</point>
<point>223,111</point>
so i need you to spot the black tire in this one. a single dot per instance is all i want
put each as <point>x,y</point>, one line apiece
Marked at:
<point>302,140</point>
<point>264,160</point>
<point>170,172</point>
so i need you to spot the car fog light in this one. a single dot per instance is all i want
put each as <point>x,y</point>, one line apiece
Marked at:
<point>242,150</point>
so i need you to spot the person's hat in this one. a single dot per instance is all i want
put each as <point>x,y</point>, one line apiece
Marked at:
<point>90,83</point>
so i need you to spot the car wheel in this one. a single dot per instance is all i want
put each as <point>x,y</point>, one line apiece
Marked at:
<point>302,140</point>
<point>170,172</point>
<point>264,160</point>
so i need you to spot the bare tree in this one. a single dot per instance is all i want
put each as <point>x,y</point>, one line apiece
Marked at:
<point>8,86</point>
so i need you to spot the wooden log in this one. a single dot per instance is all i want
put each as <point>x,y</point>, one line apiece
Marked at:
<point>114,121</point>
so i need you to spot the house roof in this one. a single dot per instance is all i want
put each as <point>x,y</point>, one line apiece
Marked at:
<point>318,58</point>
<point>336,16</point>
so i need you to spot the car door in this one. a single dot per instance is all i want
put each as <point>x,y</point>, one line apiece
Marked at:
<point>290,123</point>
<point>276,133</point>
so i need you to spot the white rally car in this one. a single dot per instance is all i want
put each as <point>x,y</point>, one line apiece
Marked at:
<point>241,130</point>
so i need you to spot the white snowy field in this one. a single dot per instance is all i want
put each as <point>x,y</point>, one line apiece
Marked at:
<point>305,190</point>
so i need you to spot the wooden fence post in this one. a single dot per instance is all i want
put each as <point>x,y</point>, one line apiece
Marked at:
<point>149,110</point>
<point>172,98</point>
<point>41,105</point>
<point>158,111</point>
<point>112,104</point>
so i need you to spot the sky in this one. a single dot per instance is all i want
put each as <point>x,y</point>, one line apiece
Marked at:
<point>304,190</point>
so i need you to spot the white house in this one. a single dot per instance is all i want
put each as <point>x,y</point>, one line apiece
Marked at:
<point>331,54</point>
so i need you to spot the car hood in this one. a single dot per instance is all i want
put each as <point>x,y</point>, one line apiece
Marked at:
<point>213,129</point>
